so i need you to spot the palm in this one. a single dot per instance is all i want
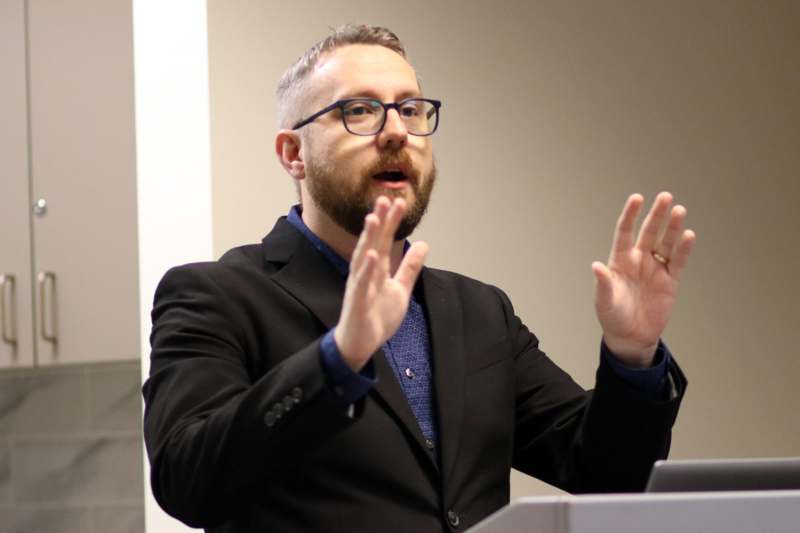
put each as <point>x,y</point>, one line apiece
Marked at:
<point>636,292</point>
<point>376,301</point>
<point>643,296</point>
<point>382,310</point>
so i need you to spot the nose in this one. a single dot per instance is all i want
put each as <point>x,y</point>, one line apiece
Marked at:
<point>394,133</point>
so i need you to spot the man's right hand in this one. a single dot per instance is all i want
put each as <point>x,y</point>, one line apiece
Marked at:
<point>375,301</point>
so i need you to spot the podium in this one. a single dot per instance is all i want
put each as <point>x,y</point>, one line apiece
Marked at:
<point>673,512</point>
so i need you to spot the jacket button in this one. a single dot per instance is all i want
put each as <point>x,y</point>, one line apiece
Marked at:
<point>297,394</point>
<point>429,444</point>
<point>288,403</point>
<point>269,419</point>
<point>453,518</point>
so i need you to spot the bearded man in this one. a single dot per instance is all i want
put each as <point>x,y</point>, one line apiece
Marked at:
<point>325,380</point>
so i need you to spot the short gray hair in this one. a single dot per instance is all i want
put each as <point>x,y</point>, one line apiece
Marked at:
<point>292,94</point>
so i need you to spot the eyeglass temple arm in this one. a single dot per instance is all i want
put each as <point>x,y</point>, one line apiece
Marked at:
<point>316,115</point>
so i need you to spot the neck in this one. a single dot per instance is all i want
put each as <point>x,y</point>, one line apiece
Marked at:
<point>341,241</point>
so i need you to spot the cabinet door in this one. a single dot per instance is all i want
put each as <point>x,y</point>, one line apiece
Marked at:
<point>16,340</point>
<point>83,167</point>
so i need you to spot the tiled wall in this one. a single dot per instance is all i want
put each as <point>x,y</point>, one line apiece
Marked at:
<point>71,450</point>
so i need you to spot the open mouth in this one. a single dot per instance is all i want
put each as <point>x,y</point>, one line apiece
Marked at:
<point>392,176</point>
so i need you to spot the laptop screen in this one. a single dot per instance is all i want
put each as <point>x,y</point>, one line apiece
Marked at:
<point>725,474</point>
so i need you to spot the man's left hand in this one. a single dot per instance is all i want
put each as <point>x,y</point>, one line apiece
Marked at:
<point>636,290</point>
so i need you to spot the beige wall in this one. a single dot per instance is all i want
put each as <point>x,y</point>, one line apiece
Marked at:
<point>553,112</point>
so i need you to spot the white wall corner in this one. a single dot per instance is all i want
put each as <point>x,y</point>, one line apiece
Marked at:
<point>173,161</point>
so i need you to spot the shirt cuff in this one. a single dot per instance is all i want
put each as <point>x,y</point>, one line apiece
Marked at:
<point>651,381</point>
<point>349,386</point>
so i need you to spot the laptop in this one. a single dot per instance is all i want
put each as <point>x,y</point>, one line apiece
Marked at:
<point>725,474</point>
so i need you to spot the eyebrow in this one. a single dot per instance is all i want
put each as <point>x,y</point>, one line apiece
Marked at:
<point>366,93</point>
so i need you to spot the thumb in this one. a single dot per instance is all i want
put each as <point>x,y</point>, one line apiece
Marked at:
<point>411,265</point>
<point>604,290</point>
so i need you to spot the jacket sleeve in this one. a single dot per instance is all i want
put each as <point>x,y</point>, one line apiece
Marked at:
<point>603,440</point>
<point>211,430</point>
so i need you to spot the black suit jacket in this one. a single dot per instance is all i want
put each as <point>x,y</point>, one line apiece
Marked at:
<point>237,339</point>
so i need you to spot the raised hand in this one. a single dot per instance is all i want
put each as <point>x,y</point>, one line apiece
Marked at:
<point>636,290</point>
<point>375,301</point>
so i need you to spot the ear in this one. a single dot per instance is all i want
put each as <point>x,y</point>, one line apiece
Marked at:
<point>287,148</point>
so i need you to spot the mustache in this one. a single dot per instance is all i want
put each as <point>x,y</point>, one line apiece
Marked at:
<point>394,160</point>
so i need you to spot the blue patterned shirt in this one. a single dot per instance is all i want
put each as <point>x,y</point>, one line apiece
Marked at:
<point>408,351</point>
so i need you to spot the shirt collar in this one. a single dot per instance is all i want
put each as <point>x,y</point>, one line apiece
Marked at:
<point>294,218</point>
<point>339,263</point>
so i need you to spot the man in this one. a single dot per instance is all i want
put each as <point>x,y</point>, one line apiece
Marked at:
<point>325,380</point>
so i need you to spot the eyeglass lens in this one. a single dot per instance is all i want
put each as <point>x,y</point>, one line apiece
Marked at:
<point>365,117</point>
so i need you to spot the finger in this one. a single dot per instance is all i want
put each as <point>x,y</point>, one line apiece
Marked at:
<point>382,205</point>
<point>412,264</point>
<point>364,277</point>
<point>372,225</point>
<point>380,273</point>
<point>674,229</point>
<point>681,255</point>
<point>390,225</point>
<point>604,294</point>
<point>652,223</point>
<point>365,241</point>
<point>623,234</point>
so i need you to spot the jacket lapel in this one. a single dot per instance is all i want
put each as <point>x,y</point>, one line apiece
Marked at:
<point>314,282</point>
<point>307,275</point>
<point>389,392</point>
<point>447,345</point>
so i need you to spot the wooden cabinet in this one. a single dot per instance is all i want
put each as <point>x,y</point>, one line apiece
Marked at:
<point>76,188</point>
<point>16,343</point>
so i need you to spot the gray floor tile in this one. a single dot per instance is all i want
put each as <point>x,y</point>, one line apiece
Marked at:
<point>78,470</point>
<point>5,472</point>
<point>115,399</point>
<point>118,519</point>
<point>48,401</point>
<point>18,519</point>
<point>13,391</point>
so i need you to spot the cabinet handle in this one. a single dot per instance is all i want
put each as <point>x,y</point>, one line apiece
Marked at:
<point>42,280</point>
<point>7,316</point>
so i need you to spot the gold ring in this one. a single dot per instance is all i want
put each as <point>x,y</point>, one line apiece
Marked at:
<point>660,258</point>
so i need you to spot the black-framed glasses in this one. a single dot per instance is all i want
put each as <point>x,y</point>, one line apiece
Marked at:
<point>367,116</point>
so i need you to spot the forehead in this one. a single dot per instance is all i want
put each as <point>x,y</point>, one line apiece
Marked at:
<point>364,70</point>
